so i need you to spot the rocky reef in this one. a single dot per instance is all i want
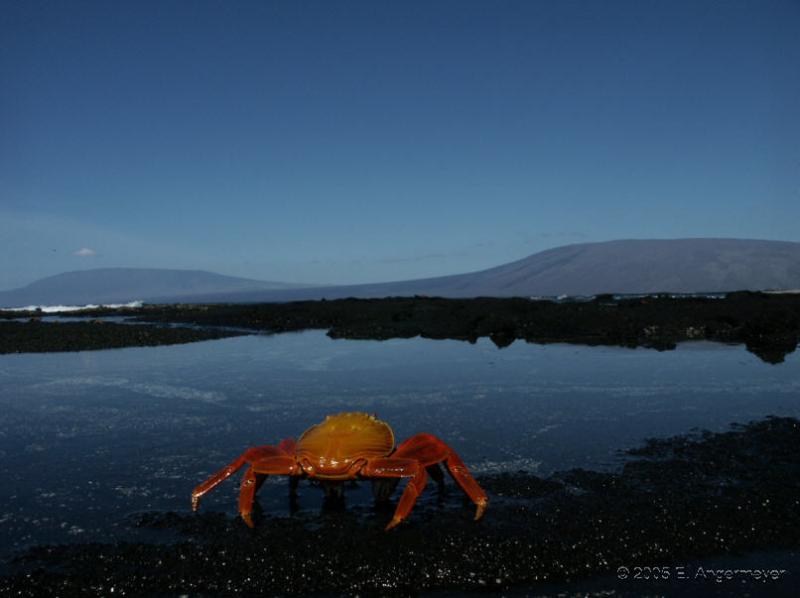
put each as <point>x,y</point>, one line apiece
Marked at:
<point>35,336</point>
<point>768,324</point>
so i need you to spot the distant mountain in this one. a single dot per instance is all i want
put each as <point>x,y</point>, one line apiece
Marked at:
<point>629,266</point>
<point>639,266</point>
<point>121,285</point>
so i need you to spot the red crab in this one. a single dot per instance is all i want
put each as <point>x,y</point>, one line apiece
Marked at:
<point>349,446</point>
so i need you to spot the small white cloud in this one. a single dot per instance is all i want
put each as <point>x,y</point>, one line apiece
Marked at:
<point>85,252</point>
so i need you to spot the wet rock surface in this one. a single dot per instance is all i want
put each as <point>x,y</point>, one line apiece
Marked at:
<point>690,497</point>
<point>35,336</point>
<point>768,324</point>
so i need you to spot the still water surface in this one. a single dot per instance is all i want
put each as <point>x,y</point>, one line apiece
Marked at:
<point>90,439</point>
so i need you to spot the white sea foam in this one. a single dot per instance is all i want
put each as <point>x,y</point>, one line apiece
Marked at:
<point>66,386</point>
<point>510,465</point>
<point>49,309</point>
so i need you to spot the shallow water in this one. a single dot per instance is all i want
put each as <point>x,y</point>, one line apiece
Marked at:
<point>89,439</point>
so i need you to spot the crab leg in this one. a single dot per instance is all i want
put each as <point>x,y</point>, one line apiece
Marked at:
<point>293,482</point>
<point>411,459</point>
<point>287,446</point>
<point>408,499</point>
<point>414,488</point>
<point>429,450</point>
<point>250,455</point>
<point>464,478</point>
<point>389,467</point>
<point>437,475</point>
<point>247,494</point>
<point>255,476</point>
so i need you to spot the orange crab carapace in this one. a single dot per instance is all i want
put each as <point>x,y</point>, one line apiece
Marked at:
<point>349,446</point>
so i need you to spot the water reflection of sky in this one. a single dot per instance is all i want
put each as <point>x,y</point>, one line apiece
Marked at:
<point>87,438</point>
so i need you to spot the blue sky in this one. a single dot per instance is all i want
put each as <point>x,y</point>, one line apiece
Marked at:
<point>345,142</point>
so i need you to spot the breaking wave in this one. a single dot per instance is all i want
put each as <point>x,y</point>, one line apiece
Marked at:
<point>49,309</point>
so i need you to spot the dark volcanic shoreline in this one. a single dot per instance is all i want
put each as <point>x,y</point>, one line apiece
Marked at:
<point>767,324</point>
<point>35,336</point>
<point>675,502</point>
